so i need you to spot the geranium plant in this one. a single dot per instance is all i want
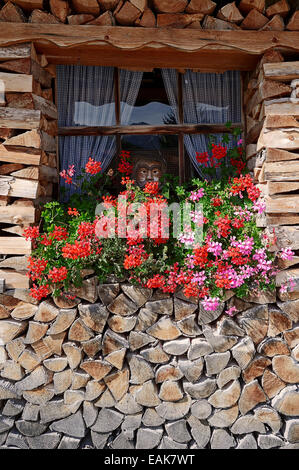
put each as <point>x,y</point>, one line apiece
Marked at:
<point>118,240</point>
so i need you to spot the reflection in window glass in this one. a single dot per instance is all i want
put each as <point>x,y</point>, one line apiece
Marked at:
<point>85,95</point>
<point>147,149</point>
<point>151,106</point>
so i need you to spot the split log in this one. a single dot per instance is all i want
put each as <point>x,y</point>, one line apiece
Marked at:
<point>177,20</point>
<point>15,187</point>
<point>14,280</point>
<point>46,107</point>
<point>278,155</point>
<point>201,6</point>
<point>148,19</point>
<point>275,24</point>
<point>170,6</point>
<point>41,173</point>
<point>128,14</point>
<point>140,4</point>
<point>16,229</point>
<point>293,24</point>
<point>280,139</point>
<point>284,109</point>
<point>4,200</point>
<point>49,159</point>
<point>17,65</point>
<point>282,187</point>
<point>15,246</point>
<point>282,219</point>
<point>194,25</point>
<point>20,51</point>
<point>47,94</point>
<point>86,6</point>
<point>60,9</point>
<point>108,4</point>
<point>30,158</point>
<point>231,13</point>
<point>285,71</point>
<point>278,122</point>
<point>247,5</point>
<point>282,171</point>
<point>281,8</point>
<point>254,133</point>
<point>216,24</point>
<point>19,118</point>
<point>106,19</point>
<point>20,83</point>
<point>50,127</point>
<point>12,13</point>
<point>82,18</point>
<point>41,17</point>
<point>29,5</point>
<point>254,20</point>
<point>35,139</point>
<point>7,168</point>
<point>29,67</point>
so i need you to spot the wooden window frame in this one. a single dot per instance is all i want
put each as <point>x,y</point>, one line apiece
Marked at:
<point>179,129</point>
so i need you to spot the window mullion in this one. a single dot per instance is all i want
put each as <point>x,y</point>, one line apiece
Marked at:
<point>181,135</point>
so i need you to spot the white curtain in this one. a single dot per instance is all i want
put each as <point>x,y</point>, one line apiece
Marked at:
<point>86,98</point>
<point>208,98</point>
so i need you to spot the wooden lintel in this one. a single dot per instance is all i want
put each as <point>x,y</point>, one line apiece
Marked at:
<point>143,130</point>
<point>127,46</point>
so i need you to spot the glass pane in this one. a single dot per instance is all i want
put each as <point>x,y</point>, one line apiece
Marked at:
<point>151,106</point>
<point>85,95</point>
<point>211,98</point>
<point>152,154</point>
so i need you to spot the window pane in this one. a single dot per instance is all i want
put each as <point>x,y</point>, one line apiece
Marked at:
<point>211,98</point>
<point>146,149</point>
<point>85,95</point>
<point>151,106</point>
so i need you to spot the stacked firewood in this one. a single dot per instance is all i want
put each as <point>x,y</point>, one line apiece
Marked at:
<point>272,103</point>
<point>28,169</point>
<point>197,14</point>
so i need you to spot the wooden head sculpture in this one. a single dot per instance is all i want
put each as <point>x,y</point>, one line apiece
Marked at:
<point>148,169</point>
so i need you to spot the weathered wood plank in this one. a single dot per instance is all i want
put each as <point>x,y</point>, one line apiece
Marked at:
<point>16,187</point>
<point>17,214</point>
<point>282,187</point>
<point>285,71</point>
<point>18,82</point>
<point>14,280</point>
<point>15,246</point>
<point>12,156</point>
<point>283,139</point>
<point>13,118</point>
<point>281,171</point>
<point>19,51</point>
<point>278,155</point>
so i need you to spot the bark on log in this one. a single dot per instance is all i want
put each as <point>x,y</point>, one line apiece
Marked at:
<point>170,6</point>
<point>206,7</point>
<point>275,24</point>
<point>12,13</point>
<point>281,8</point>
<point>247,5</point>
<point>231,13</point>
<point>60,9</point>
<point>254,20</point>
<point>293,24</point>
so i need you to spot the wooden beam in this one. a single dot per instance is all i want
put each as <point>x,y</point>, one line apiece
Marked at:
<point>143,130</point>
<point>118,46</point>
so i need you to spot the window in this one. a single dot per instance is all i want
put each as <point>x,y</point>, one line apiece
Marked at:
<point>162,113</point>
